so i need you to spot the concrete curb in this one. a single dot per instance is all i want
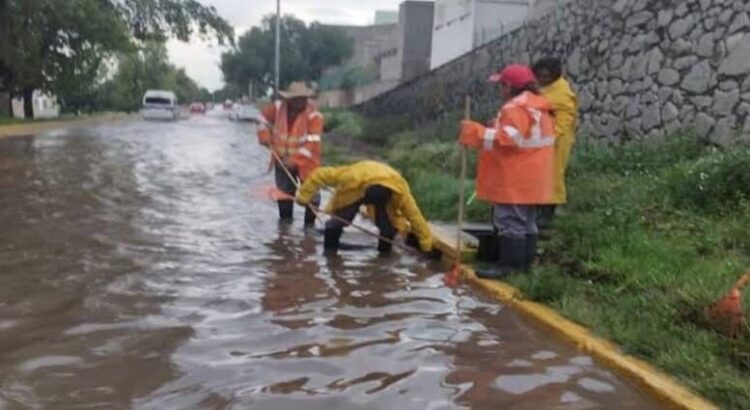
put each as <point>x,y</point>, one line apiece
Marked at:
<point>34,128</point>
<point>661,385</point>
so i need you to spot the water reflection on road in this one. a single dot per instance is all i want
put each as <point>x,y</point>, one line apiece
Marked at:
<point>138,271</point>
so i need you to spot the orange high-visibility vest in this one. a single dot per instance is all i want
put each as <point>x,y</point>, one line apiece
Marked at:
<point>299,145</point>
<point>516,157</point>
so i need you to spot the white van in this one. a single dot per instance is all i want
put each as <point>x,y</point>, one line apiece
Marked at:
<point>160,105</point>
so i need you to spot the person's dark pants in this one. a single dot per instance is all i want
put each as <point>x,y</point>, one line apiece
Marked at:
<point>288,186</point>
<point>335,227</point>
<point>517,227</point>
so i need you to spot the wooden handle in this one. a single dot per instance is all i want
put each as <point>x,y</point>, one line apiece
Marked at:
<point>461,184</point>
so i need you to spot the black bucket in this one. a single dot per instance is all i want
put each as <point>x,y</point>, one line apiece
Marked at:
<point>488,245</point>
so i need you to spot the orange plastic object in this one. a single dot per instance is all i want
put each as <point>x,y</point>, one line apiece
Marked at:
<point>259,191</point>
<point>727,314</point>
<point>278,195</point>
<point>452,277</point>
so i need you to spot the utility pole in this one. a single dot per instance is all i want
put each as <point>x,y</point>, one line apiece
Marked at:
<point>278,45</point>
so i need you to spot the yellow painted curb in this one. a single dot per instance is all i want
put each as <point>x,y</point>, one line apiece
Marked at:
<point>663,386</point>
<point>33,128</point>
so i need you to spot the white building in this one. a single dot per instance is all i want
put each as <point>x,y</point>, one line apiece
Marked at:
<point>45,106</point>
<point>460,26</point>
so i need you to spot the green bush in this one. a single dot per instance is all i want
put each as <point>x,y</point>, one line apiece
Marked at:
<point>437,196</point>
<point>379,130</point>
<point>635,157</point>
<point>717,182</point>
<point>345,123</point>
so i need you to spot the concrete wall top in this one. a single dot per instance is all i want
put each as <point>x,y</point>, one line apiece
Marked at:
<point>642,68</point>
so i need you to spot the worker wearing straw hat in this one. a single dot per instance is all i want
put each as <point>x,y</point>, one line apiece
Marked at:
<point>292,128</point>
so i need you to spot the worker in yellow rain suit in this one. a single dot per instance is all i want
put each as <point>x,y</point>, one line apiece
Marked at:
<point>564,102</point>
<point>382,190</point>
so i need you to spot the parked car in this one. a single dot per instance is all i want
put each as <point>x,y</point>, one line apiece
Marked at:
<point>244,112</point>
<point>197,108</point>
<point>160,105</point>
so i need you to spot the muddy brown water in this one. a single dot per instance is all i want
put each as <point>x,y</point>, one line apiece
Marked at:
<point>140,268</point>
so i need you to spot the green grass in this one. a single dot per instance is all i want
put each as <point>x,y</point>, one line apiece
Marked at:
<point>641,248</point>
<point>10,121</point>
<point>16,121</point>
<point>652,235</point>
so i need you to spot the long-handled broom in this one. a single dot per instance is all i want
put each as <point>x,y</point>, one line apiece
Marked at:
<point>452,277</point>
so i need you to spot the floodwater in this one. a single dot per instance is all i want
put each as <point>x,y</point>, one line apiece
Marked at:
<point>142,267</point>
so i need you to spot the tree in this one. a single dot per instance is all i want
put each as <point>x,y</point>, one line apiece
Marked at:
<point>228,92</point>
<point>305,52</point>
<point>57,45</point>
<point>144,69</point>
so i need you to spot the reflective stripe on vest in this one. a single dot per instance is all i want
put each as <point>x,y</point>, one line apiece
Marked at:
<point>310,138</point>
<point>528,143</point>
<point>536,138</point>
<point>306,152</point>
<point>489,138</point>
<point>286,145</point>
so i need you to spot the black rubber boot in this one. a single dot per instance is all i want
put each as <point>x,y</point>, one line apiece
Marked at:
<point>384,247</point>
<point>531,248</point>
<point>309,218</point>
<point>286,210</point>
<point>331,240</point>
<point>512,259</point>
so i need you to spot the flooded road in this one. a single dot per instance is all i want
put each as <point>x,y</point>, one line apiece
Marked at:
<point>138,269</point>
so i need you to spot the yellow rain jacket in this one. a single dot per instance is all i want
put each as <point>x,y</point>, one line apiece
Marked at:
<point>565,109</point>
<point>350,183</point>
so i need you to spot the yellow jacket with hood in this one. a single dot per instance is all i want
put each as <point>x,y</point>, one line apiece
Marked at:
<point>565,109</point>
<point>350,183</point>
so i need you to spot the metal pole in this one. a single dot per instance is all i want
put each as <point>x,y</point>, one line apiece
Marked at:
<point>278,45</point>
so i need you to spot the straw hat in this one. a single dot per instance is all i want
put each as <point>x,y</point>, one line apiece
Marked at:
<point>297,89</point>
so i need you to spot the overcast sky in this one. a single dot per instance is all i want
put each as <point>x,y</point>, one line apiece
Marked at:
<point>201,59</point>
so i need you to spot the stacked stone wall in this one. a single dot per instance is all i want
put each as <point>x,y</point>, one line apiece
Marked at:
<point>642,68</point>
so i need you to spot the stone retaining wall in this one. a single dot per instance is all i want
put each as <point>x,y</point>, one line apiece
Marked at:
<point>642,68</point>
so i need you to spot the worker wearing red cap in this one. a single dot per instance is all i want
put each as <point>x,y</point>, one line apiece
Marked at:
<point>516,158</point>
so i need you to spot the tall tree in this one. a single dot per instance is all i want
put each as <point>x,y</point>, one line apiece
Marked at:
<point>5,32</point>
<point>305,52</point>
<point>56,45</point>
<point>147,68</point>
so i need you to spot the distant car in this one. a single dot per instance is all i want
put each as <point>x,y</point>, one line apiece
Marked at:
<point>244,112</point>
<point>228,105</point>
<point>160,105</point>
<point>197,108</point>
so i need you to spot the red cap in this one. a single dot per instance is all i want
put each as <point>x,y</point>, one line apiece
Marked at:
<point>514,75</point>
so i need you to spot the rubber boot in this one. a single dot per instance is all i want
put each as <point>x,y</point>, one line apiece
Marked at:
<point>513,257</point>
<point>331,240</point>
<point>286,210</point>
<point>309,218</point>
<point>531,248</point>
<point>385,247</point>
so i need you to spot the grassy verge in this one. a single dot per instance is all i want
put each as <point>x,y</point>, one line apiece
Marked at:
<point>426,156</point>
<point>17,121</point>
<point>652,235</point>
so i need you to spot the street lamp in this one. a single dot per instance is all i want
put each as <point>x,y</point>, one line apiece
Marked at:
<point>278,45</point>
